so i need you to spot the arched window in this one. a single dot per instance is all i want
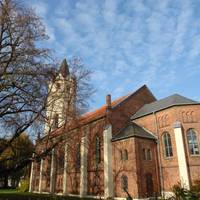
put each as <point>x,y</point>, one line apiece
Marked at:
<point>60,159</point>
<point>192,142</point>
<point>55,121</point>
<point>98,150</point>
<point>125,154</point>
<point>78,156</point>
<point>124,182</point>
<point>167,145</point>
<point>121,154</point>
<point>148,154</point>
<point>57,86</point>
<point>144,154</point>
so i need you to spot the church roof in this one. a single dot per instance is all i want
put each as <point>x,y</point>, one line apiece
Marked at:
<point>64,68</point>
<point>133,130</point>
<point>101,112</point>
<point>93,115</point>
<point>167,102</point>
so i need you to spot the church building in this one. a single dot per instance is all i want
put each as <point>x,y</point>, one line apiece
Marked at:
<point>133,146</point>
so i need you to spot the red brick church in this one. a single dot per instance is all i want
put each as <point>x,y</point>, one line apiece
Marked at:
<point>134,146</point>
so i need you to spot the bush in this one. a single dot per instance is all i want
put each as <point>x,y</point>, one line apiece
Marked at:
<point>181,193</point>
<point>24,187</point>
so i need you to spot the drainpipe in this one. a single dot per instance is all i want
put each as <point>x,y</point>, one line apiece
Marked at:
<point>159,154</point>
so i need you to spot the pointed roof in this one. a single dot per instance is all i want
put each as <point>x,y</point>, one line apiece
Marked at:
<point>167,102</point>
<point>133,130</point>
<point>64,68</point>
<point>101,112</point>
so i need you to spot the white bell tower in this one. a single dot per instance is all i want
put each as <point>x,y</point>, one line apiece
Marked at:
<point>61,99</point>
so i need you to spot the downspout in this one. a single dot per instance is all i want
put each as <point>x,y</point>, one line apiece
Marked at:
<point>159,154</point>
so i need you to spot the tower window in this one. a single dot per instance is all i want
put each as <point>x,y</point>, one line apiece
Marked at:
<point>124,154</point>
<point>121,154</point>
<point>192,142</point>
<point>55,121</point>
<point>146,154</point>
<point>167,145</point>
<point>57,86</point>
<point>124,183</point>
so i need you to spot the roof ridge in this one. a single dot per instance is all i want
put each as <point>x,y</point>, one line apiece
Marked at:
<point>101,107</point>
<point>135,91</point>
<point>123,98</point>
<point>176,94</point>
<point>156,137</point>
<point>143,132</point>
<point>172,100</point>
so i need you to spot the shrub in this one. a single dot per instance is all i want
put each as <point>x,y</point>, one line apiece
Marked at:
<point>24,187</point>
<point>180,192</point>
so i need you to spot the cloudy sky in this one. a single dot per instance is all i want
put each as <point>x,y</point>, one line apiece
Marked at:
<point>128,43</point>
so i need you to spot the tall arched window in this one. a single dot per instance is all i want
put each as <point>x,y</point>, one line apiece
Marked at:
<point>121,155</point>
<point>55,121</point>
<point>125,154</point>
<point>78,156</point>
<point>167,145</point>
<point>98,150</point>
<point>192,142</point>
<point>124,182</point>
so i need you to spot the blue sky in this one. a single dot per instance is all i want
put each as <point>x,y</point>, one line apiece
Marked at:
<point>128,43</point>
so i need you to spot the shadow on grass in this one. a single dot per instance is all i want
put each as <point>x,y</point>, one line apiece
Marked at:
<point>15,195</point>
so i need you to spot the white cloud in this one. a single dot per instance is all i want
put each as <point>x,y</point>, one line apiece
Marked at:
<point>128,43</point>
<point>40,8</point>
<point>183,21</point>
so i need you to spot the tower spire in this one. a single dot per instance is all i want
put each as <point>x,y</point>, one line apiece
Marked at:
<point>64,68</point>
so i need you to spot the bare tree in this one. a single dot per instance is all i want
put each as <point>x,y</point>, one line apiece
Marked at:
<point>24,72</point>
<point>29,79</point>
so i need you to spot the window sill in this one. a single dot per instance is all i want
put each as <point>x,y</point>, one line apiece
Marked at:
<point>193,156</point>
<point>168,158</point>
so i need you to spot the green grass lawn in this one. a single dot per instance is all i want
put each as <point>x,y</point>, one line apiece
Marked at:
<point>11,194</point>
<point>8,191</point>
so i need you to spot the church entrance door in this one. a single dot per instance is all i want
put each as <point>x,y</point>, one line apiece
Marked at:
<point>149,185</point>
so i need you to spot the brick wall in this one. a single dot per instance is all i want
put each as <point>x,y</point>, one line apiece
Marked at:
<point>162,122</point>
<point>135,168</point>
<point>125,167</point>
<point>121,114</point>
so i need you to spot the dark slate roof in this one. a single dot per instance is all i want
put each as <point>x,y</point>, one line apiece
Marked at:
<point>64,68</point>
<point>133,130</point>
<point>167,102</point>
